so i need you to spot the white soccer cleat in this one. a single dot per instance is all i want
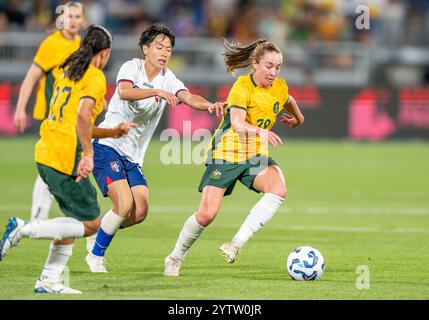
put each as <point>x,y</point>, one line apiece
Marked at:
<point>46,286</point>
<point>172,266</point>
<point>229,251</point>
<point>11,237</point>
<point>90,242</point>
<point>96,264</point>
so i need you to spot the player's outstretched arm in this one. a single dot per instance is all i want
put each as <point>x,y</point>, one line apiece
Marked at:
<point>126,91</point>
<point>33,75</point>
<point>199,103</point>
<point>296,118</point>
<point>120,130</point>
<point>84,132</point>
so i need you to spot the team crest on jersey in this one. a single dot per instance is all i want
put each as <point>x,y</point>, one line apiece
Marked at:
<point>215,174</point>
<point>276,107</point>
<point>115,166</point>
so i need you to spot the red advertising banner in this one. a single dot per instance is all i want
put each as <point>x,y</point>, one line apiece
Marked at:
<point>359,114</point>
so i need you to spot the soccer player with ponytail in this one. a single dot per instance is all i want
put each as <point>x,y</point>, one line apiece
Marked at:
<point>239,149</point>
<point>64,158</point>
<point>46,69</point>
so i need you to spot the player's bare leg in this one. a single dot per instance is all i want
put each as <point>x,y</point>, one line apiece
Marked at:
<point>59,253</point>
<point>211,200</point>
<point>62,231</point>
<point>271,182</point>
<point>140,206</point>
<point>122,199</point>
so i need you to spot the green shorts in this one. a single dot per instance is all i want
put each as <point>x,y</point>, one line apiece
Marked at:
<point>225,175</point>
<point>76,199</point>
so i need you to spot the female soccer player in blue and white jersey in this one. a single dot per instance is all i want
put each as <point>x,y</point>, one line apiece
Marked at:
<point>144,88</point>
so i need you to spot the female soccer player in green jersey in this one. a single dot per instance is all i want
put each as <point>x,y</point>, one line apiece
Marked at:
<point>239,149</point>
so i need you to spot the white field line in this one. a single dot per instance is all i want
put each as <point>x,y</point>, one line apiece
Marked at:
<point>14,207</point>
<point>311,210</point>
<point>358,229</point>
<point>306,210</point>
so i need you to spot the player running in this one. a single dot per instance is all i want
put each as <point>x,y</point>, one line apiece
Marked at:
<point>64,158</point>
<point>239,149</point>
<point>51,53</point>
<point>144,88</point>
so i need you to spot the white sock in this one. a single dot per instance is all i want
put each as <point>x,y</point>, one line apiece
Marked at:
<point>109,225</point>
<point>190,232</point>
<point>55,229</point>
<point>111,222</point>
<point>42,200</point>
<point>57,261</point>
<point>260,214</point>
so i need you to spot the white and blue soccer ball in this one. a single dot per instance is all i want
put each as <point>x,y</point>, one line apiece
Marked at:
<point>305,263</point>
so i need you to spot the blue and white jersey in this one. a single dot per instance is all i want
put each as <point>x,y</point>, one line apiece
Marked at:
<point>146,112</point>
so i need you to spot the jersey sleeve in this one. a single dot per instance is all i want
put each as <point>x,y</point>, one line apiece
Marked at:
<point>45,56</point>
<point>174,85</point>
<point>94,88</point>
<point>239,96</point>
<point>127,73</point>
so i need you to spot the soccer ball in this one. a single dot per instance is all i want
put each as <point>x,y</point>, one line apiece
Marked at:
<point>305,263</point>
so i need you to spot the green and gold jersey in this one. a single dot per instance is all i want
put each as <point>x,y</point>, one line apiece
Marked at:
<point>262,106</point>
<point>58,146</point>
<point>52,52</point>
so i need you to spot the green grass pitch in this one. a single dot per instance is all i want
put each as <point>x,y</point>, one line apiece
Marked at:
<point>360,204</point>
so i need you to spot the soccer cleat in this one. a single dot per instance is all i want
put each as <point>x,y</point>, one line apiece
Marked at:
<point>172,266</point>
<point>11,237</point>
<point>90,241</point>
<point>96,264</point>
<point>229,251</point>
<point>46,286</point>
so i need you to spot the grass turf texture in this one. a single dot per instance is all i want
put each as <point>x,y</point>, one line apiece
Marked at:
<point>358,203</point>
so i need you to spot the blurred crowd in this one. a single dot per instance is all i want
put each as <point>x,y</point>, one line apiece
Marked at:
<point>280,20</point>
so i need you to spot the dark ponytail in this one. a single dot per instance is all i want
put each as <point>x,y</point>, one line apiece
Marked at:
<point>95,39</point>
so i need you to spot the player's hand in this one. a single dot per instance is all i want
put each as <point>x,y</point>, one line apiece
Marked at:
<point>123,128</point>
<point>171,99</point>
<point>219,107</point>
<point>290,121</point>
<point>20,120</point>
<point>85,167</point>
<point>269,136</point>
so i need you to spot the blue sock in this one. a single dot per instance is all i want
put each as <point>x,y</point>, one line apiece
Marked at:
<point>102,242</point>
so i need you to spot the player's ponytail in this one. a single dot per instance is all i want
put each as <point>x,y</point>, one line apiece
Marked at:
<point>95,39</point>
<point>236,56</point>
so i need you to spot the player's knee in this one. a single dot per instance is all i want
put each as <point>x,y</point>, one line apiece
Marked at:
<point>282,192</point>
<point>279,190</point>
<point>141,213</point>
<point>205,216</point>
<point>123,208</point>
<point>91,228</point>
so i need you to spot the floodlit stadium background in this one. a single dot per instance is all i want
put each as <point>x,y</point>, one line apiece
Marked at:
<point>350,81</point>
<point>356,171</point>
